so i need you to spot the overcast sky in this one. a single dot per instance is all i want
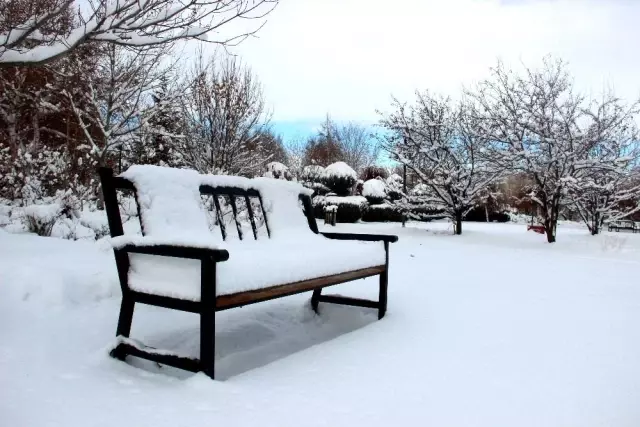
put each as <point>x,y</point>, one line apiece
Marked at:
<point>346,57</point>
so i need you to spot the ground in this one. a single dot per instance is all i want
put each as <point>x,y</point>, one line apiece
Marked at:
<point>491,328</point>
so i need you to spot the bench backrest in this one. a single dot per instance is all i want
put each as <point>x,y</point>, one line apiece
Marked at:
<point>230,209</point>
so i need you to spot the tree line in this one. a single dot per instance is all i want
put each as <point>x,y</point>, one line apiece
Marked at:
<point>571,151</point>
<point>104,86</point>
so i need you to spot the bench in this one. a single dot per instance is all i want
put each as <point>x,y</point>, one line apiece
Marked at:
<point>624,225</point>
<point>536,228</point>
<point>261,242</point>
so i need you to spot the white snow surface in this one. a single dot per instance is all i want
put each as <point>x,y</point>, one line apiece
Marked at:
<point>255,265</point>
<point>340,169</point>
<point>170,203</point>
<point>374,188</point>
<point>494,328</point>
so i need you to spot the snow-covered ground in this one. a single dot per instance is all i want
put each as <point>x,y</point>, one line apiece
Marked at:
<point>491,328</point>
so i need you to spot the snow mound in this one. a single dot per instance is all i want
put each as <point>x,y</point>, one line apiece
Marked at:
<point>50,272</point>
<point>340,170</point>
<point>374,188</point>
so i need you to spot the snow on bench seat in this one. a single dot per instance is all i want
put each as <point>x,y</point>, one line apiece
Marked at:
<point>255,265</point>
<point>171,211</point>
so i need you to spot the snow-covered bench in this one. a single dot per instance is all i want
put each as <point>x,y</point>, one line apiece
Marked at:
<point>624,225</point>
<point>211,243</point>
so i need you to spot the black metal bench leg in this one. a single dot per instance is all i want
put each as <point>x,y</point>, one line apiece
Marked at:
<point>382,298</point>
<point>384,284</point>
<point>208,342</point>
<point>208,317</point>
<point>124,324</point>
<point>315,299</point>
<point>126,317</point>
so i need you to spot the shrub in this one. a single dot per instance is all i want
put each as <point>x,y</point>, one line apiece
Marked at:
<point>277,170</point>
<point>312,177</point>
<point>340,178</point>
<point>40,219</point>
<point>382,213</point>
<point>375,191</point>
<point>478,214</point>
<point>312,173</point>
<point>350,209</point>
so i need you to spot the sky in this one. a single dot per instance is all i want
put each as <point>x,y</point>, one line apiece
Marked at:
<point>348,57</point>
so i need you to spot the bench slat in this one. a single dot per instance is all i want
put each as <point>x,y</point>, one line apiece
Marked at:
<point>224,302</point>
<point>251,218</point>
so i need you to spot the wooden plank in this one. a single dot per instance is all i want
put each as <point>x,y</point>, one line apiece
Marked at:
<point>224,302</point>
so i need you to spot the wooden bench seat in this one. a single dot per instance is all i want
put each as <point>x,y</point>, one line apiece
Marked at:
<point>205,273</point>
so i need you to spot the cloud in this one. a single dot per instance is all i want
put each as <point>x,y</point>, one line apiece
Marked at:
<point>346,57</point>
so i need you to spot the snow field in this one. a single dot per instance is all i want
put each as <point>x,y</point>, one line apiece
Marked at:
<point>491,328</point>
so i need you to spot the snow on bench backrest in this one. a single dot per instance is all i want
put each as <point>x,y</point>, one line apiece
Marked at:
<point>282,202</point>
<point>170,204</point>
<point>171,207</point>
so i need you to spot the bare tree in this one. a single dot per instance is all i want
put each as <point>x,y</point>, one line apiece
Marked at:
<point>117,102</point>
<point>538,125</point>
<point>439,142</point>
<point>27,35</point>
<point>359,148</point>
<point>225,118</point>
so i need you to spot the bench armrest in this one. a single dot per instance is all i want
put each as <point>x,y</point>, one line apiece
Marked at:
<point>363,237</point>
<point>217,255</point>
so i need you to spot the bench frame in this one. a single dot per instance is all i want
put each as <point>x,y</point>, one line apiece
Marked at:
<point>209,303</point>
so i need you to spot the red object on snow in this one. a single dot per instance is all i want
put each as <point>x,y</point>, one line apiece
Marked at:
<point>536,228</point>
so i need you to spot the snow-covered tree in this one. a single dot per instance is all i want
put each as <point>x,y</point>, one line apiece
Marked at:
<point>225,118</point>
<point>538,125</point>
<point>29,33</point>
<point>159,139</point>
<point>609,190</point>
<point>438,141</point>
<point>117,103</point>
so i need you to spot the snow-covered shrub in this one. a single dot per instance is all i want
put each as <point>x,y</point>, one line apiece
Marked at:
<point>375,191</point>
<point>277,170</point>
<point>312,177</point>
<point>382,213</point>
<point>350,208</point>
<point>394,187</point>
<point>40,219</point>
<point>313,173</point>
<point>340,178</point>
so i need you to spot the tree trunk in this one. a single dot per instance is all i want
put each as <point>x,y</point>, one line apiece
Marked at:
<point>549,228</point>
<point>458,224</point>
<point>595,228</point>
<point>486,212</point>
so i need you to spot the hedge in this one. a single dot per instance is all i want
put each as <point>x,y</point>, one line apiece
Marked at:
<point>350,209</point>
<point>382,213</point>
